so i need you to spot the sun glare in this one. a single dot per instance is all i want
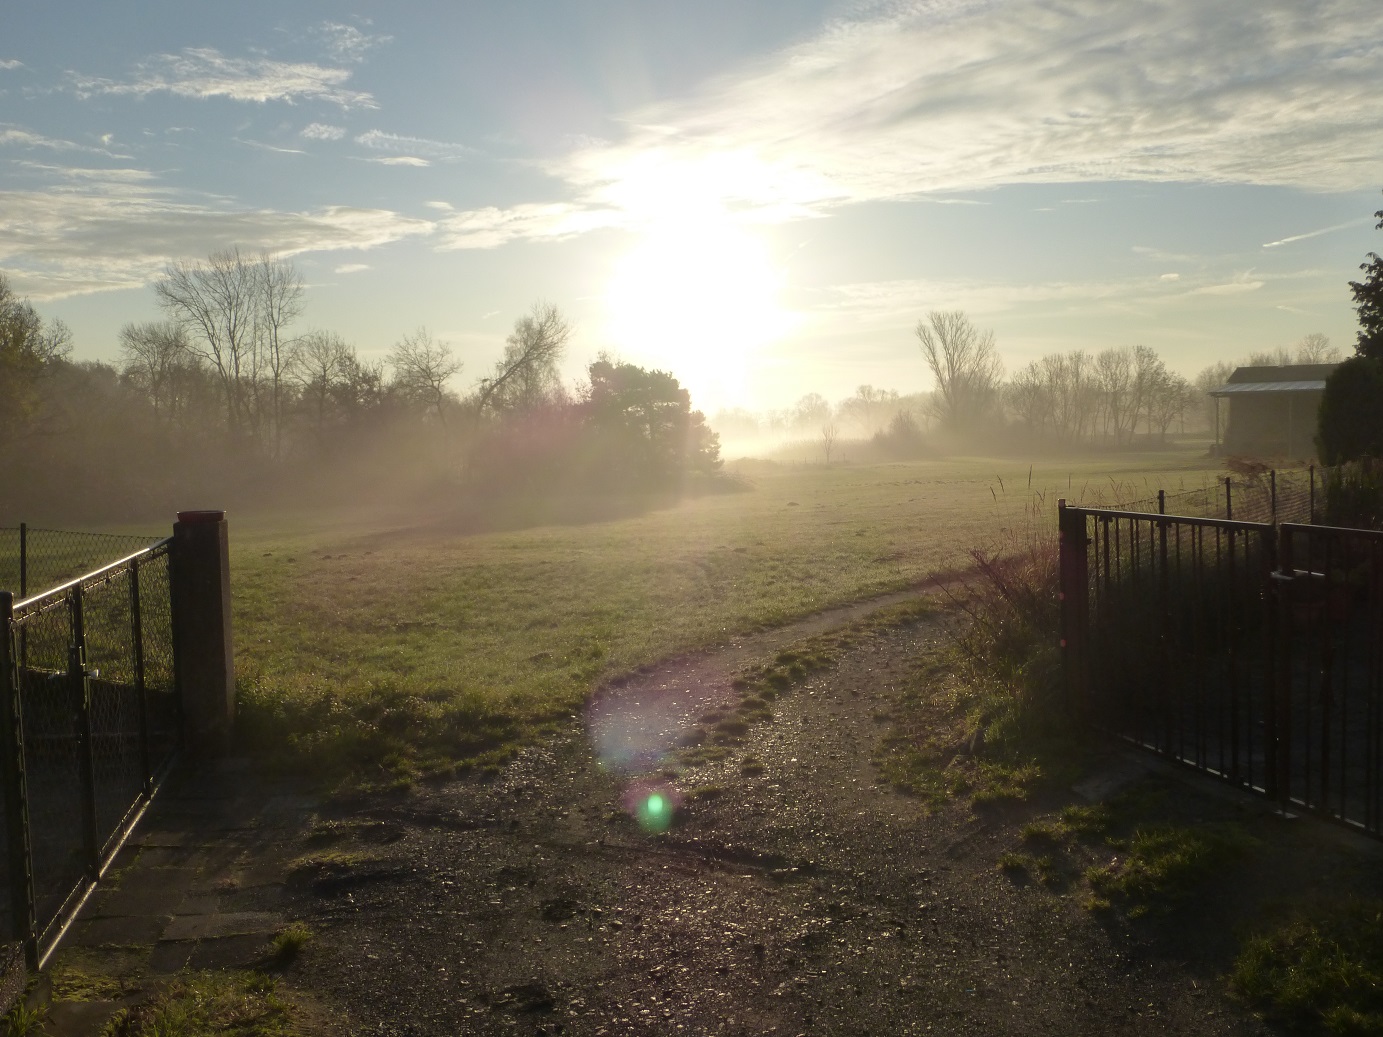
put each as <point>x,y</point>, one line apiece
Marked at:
<point>698,298</point>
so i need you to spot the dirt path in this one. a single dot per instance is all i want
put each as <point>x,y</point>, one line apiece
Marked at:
<point>794,895</point>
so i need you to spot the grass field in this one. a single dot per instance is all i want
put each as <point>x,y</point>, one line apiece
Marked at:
<point>406,642</point>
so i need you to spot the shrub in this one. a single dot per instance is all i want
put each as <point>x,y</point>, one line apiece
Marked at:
<point>1351,415</point>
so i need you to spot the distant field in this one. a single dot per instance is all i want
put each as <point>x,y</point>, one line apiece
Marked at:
<point>501,629</point>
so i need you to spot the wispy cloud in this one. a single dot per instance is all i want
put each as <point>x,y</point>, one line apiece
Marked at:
<point>347,43</point>
<point>204,72</point>
<point>491,227</point>
<point>322,131</point>
<point>1314,233</point>
<point>919,97</point>
<point>351,268</point>
<point>119,232</point>
<point>393,143</point>
<point>10,63</point>
<point>268,147</point>
<point>16,136</point>
<point>401,160</point>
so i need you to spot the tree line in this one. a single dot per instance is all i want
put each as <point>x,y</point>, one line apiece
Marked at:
<point>223,397</point>
<point>1110,399</point>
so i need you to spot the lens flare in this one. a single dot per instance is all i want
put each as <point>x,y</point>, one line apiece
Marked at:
<point>653,807</point>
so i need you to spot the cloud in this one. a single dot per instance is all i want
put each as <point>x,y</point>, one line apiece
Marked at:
<point>204,72</point>
<point>1170,277</point>
<point>1314,233</point>
<point>10,63</point>
<point>268,147</point>
<point>923,97</point>
<point>1238,286</point>
<point>378,140</point>
<point>15,136</point>
<point>100,234</point>
<point>351,268</point>
<point>347,43</point>
<point>322,131</point>
<point>400,160</point>
<point>491,227</point>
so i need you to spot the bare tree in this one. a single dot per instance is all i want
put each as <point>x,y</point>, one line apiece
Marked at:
<point>1315,348</point>
<point>216,302</point>
<point>527,374</point>
<point>964,363</point>
<point>1029,397</point>
<point>1114,382</point>
<point>422,369</point>
<point>153,355</point>
<point>829,436</point>
<point>319,361</point>
<point>279,293</point>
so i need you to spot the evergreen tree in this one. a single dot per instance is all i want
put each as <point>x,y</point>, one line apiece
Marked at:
<point>1368,301</point>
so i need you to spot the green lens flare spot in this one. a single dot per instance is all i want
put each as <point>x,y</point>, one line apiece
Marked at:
<point>655,813</point>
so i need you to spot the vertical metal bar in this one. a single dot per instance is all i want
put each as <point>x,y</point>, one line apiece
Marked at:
<point>24,925</point>
<point>137,642</point>
<point>1074,577</point>
<point>1165,638</point>
<point>81,701</point>
<point>1311,474</point>
<point>1229,501</point>
<point>1232,633</point>
<point>23,560</point>
<point>1272,494</point>
<point>1162,504</point>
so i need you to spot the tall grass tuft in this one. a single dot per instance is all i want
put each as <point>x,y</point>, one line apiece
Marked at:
<point>1008,648</point>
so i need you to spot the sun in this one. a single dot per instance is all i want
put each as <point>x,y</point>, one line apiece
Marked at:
<point>698,298</point>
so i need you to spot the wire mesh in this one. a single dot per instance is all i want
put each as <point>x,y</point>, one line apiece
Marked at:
<point>1272,496</point>
<point>33,560</point>
<point>98,719</point>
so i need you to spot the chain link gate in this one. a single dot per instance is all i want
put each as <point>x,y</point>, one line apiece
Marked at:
<point>89,720</point>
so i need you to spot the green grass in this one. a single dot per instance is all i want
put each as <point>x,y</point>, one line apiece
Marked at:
<point>390,649</point>
<point>1325,969</point>
<point>203,1003</point>
<point>1161,864</point>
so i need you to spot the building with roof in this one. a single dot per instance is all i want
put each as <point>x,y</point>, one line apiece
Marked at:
<point>1273,411</point>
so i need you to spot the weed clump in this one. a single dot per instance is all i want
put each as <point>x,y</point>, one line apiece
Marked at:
<point>1325,970</point>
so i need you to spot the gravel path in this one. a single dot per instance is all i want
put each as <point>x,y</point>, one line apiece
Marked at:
<point>804,897</point>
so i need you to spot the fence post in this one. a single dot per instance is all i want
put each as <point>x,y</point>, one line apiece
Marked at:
<point>1229,503</point>
<point>80,693</point>
<point>1311,471</point>
<point>23,922</point>
<point>1073,579</point>
<point>203,656</point>
<point>1272,493</point>
<point>23,560</point>
<point>1162,502</point>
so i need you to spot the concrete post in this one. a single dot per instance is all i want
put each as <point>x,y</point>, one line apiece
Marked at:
<point>203,652</point>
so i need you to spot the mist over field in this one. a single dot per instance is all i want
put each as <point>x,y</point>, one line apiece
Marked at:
<point>669,455</point>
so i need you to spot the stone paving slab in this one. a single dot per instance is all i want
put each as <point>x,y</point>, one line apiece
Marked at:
<point>193,888</point>
<point>213,926</point>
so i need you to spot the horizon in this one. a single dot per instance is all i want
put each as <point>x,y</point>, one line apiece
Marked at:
<point>762,202</point>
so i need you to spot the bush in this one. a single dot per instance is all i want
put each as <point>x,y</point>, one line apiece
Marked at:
<point>1351,415</point>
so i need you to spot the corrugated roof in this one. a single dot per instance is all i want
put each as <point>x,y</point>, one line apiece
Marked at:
<point>1287,373</point>
<point>1311,385</point>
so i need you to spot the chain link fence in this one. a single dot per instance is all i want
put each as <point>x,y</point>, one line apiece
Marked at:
<point>90,720</point>
<point>32,560</point>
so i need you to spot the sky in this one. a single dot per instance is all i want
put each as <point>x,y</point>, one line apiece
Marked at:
<point>763,197</point>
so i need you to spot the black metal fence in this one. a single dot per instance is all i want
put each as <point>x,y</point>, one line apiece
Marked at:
<point>89,720</point>
<point>1248,650</point>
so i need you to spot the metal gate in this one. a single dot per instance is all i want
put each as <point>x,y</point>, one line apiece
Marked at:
<point>89,720</point>
<point>1249,651</point>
